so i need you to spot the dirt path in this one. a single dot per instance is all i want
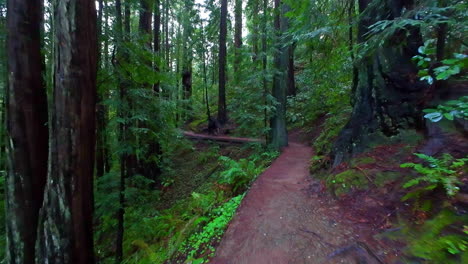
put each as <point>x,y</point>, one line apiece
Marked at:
<point>284,219</point>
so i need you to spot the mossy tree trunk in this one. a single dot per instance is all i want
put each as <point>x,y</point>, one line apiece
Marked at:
<point>388,96</point>
<point>27,129</point>
<point>65,232</point>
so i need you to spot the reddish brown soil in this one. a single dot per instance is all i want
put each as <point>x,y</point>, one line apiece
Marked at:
<point>287,217</point>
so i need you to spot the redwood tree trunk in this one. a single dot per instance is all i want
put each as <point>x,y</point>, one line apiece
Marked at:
<point>157,41</point>
<point>27,128</point>
<point>222,111</point>
<point>238,39</point>
<point>279,134</point>
<point>388,95</point>
<point>66,219</point>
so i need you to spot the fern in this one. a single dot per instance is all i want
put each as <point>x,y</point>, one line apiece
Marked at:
<point>441,172</point>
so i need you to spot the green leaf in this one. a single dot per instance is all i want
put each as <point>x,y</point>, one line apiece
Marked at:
<point>449,116</point>
<point>434,117</point>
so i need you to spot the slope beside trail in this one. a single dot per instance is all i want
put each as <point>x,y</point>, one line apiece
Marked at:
<point>285,218</point>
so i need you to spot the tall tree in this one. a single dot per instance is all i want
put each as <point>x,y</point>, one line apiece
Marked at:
<point>145,21</point>
<point>291,82</point>
<point>27,129</point>
<point>265,64</point>
<point>187,58</point>
<point>102,154</point>
<point>237,39</point>
<point>66,217</point>
<point>157,41</point>
<point>388,91</point>
<point>279,134</point>
<point>121,57</point>
<point>255,29</point>
<point>222,111</point>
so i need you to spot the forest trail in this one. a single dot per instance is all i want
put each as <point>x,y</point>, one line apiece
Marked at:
<point>283,220</point>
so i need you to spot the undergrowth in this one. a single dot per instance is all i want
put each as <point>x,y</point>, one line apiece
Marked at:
<point>183,219</point>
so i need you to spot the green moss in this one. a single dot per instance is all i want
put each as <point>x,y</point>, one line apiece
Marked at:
<point>362,161</point>
<point>384,177</point>
<point>409,137</point>
<point>196,123</point>
<point>347,181</point>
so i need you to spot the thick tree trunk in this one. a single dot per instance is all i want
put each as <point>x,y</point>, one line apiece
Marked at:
<point>291,74</point>
<point>187,55</point>
<point>279,134</point>
<point>222,111</point>
<point>237,40</point>
<point>66,234</point>
<point>27,129</point>
<point>388,95</point>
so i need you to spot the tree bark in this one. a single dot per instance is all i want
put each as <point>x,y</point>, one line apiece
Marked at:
<point>144,24</point>
<point>222,111</point>
<point>157,42</point>
<point>279,134</point>
<point>66,219</point>
<point>388,95</point>
<point>123,130</point>
<point>27,129</point>
<point>255,31</point>
<point>101,120</point>
<point>237,40</point>
<point>292,91</point>
<point>265,66</point>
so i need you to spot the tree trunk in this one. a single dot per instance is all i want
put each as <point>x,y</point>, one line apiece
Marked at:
<point>291,83</point>
<point>27,129</point>
<point>279,134</point>
<point>222,111</point>
<point>255,31</point>
<point>187,55</point>
<point>237,40</point>
<point>157,42</point>
<point>265,66</point>
<point>123,157</point>
<point>144,24</point>
<point>167,47</point>
<point>101,119</point>
<point>66,234</point>
<point>351,11</point>
<point>388,95</point>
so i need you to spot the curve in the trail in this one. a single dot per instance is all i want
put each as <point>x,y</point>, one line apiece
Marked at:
<point>279,222</point>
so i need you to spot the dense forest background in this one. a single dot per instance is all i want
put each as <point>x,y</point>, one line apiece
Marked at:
<point>95,97</point>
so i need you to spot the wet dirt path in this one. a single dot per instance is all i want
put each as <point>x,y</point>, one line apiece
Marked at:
<point>283,219</point>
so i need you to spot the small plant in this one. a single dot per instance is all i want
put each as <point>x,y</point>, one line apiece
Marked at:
<point>201,242</point>
<point>443,172</point>
<point>450,110</point>
<point>443,239</point>
<point>431,69</point>
<point>238,174</point>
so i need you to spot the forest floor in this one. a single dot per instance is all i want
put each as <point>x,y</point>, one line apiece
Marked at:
<point>287,217</point>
